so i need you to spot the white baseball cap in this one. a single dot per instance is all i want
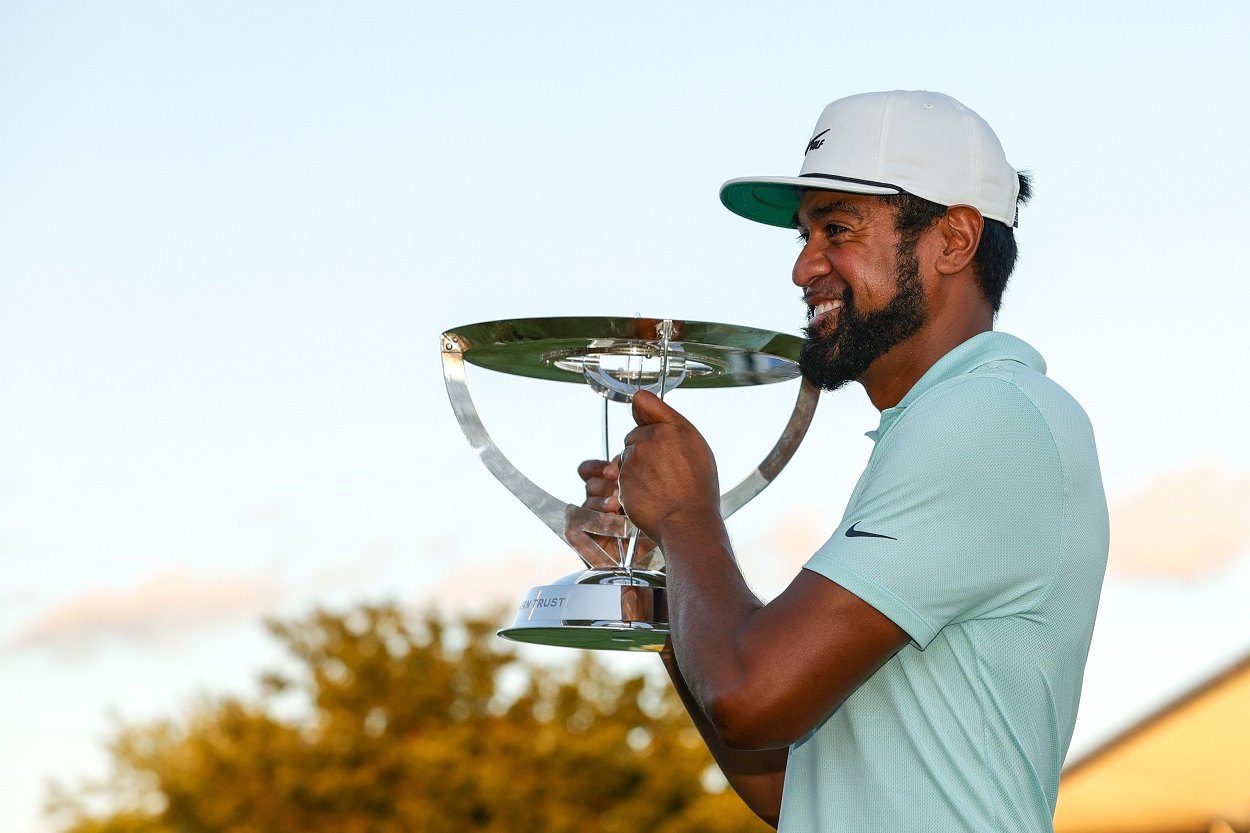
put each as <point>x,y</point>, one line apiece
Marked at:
<point>923,143</point>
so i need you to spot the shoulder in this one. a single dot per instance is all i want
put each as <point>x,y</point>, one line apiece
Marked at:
<point>1001,432</point>
<point>1002,403</point>
<point>989,405</point>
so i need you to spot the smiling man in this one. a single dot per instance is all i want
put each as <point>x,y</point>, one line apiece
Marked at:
<point>923,670</point>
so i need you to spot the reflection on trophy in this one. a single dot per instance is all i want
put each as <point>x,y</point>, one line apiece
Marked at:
<point>618,600</point>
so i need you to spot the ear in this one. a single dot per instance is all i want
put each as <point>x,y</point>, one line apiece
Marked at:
<point>960,229</point>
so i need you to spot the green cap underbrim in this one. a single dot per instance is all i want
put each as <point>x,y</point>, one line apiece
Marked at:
<point>775,201</point>
<point>771,203</point>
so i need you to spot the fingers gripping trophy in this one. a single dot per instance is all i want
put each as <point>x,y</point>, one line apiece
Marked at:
<point>617,601</point>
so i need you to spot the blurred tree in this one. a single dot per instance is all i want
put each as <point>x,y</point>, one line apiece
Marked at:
<point>415,725</point>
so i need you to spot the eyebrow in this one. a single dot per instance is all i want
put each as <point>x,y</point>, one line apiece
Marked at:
<point>837,206</point>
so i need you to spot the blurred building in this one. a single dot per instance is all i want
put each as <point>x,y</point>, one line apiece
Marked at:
<point>1184,769</point>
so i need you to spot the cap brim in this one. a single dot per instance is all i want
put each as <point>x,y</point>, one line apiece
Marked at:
<point>774,200</point>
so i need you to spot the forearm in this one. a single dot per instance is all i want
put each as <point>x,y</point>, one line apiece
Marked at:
<point>711,613</point>
<point>756,776</point>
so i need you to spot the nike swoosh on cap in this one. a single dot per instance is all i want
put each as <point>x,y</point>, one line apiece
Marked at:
<point>855,533</point>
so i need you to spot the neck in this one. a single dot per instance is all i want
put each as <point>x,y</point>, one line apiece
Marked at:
<point>890,377</point>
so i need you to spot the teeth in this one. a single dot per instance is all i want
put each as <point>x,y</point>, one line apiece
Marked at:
<point>822,308</point>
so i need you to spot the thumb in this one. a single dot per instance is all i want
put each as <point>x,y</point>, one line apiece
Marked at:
<point>649,409</point>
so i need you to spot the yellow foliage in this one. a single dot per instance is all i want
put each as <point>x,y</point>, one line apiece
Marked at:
<point>405,729</point>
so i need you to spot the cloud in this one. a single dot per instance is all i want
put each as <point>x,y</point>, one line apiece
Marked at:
<point>167,603</point>
<point>1182,524</point>
<point>359,574</point>
<point>478,588</point>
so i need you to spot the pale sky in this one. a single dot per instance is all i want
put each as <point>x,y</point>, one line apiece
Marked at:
<point>230,234</point>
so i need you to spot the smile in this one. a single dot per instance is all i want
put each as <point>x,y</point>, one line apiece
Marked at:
<point>825,312</point>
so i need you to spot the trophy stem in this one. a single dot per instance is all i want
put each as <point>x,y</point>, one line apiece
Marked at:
<point>666,332</point>
<point>631,548</point>
<point>607,455</point>
<point>607,448</point>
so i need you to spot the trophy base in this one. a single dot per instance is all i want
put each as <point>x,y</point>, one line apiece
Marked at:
<point>605,610</point>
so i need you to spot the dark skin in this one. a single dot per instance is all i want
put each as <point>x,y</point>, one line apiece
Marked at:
<point>757,677</point>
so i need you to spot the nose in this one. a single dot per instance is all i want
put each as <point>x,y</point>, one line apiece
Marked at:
<point>811,263</point>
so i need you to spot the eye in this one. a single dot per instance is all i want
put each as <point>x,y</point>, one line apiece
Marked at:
<point>802,238</point>
<point>833,229</point>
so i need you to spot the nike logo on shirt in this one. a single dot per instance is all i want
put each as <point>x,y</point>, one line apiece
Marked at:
<point>855,533</point>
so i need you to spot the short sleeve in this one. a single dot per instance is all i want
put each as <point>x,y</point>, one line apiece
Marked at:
<point>959,514</point>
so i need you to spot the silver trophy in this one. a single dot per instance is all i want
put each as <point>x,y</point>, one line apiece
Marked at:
<point>618,600</point>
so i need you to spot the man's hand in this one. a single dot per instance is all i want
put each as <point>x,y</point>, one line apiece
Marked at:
<point>667,471</point>
<point>600,551</point>
<point>600,477</point>
<point>604,550</point>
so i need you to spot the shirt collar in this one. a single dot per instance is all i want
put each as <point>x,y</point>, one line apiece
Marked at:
<point>977,351</point>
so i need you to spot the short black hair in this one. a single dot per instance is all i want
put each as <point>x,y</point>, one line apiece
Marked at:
<point>996,254</point>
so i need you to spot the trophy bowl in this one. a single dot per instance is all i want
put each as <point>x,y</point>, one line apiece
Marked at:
<point>617,602</point>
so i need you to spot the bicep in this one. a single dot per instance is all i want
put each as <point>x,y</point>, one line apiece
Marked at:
<point>807,651</point>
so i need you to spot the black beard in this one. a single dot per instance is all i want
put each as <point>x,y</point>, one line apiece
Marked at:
<point>830,361</point>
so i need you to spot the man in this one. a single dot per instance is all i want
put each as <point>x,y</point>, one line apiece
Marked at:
<point>923,670</point>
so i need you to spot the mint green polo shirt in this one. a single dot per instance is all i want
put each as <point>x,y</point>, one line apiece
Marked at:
<point>980,527</point>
